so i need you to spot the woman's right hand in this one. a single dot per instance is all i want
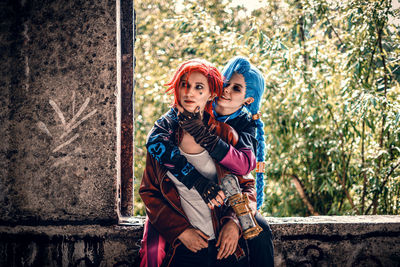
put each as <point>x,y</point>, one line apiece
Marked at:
<point>192,123</point>
<point>194,239</point>
<point>217,201</point>
<point>209,191</point>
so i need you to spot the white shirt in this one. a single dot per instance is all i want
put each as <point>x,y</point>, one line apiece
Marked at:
<point>193,205</point>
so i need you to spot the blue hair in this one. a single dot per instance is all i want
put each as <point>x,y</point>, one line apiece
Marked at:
<point>255,85</point>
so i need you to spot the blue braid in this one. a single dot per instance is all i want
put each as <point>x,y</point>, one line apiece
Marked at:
<point>260,158</point>
<point>255,85</point>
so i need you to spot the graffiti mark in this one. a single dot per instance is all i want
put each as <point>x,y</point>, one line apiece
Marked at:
<point>76,116</point>
<point>25,33</point>
<point>78,123</point>
<point>66,143</point>
<point>58,111</point>
<point>68,126</point>
<point>73,103</point>
<point>43,128</point>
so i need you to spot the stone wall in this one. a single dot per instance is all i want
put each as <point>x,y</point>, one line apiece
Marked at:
<point>58,111</point>
<point>337,241</point>
<point>69,245</point>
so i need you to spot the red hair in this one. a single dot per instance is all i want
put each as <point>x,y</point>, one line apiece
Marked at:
<point>214,78</point>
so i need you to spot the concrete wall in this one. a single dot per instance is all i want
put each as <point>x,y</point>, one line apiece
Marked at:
<point>314,241</point>
<point>92,245</point>
<point>57,112</point>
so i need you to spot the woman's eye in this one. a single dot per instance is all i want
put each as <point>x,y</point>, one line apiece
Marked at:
<point>199,87</point>
<point>236,88</point>
<point>183,84</point>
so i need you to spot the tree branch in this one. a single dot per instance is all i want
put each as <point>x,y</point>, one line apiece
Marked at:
<point>333,29</point>
<point>363,167</point>
<point>381,145</point>
<point>394,167</point>
<point>363,137</point>
<point>300,189</point>
<point>346,191</point>
<point>302,37</point>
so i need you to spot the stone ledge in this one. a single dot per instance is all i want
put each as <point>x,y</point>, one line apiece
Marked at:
<point>365,219</point>
<point>336,240</point>
<point>310,241</point>
<point>335,225</point>
<point>78,231</point>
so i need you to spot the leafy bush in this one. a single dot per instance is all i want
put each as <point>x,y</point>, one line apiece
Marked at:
<point>331,108</point>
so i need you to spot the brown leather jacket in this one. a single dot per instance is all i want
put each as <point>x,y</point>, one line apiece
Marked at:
<point>162,201</point>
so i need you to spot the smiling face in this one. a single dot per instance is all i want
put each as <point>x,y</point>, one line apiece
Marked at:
<point>194,92</point>
<point>233,96</point>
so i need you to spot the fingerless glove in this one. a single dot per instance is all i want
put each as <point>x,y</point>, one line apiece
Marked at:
<point>207,189</point>
<point>192,123</point>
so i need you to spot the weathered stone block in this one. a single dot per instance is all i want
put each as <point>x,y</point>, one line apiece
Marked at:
<point>58,111</point>
<point>89,245</point>
<point>314,241</point>
<point>337,241</point>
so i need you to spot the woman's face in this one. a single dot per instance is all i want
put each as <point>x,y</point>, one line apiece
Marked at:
<point>194,92</point>
<point>233,96</point>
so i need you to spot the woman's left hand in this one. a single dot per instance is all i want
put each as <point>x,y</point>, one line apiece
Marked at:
<point>227,240</point>
<point>192,123</point>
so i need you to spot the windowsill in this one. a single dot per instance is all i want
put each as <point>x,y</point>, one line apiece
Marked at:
<point>321,240</point>
<point>369,219</point>
<point>132,221</point>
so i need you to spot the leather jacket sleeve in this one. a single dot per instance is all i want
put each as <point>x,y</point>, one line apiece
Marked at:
<point>161,145</point>
<point>240,158</point>
<point>162,205</point>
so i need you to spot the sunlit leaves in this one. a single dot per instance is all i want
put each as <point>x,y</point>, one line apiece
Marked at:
<point>331,110</point>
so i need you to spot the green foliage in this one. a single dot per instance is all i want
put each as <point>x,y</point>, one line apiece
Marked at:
<point>331,108</point>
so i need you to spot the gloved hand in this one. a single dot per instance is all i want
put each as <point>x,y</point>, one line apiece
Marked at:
<point>192,123</point>
<point>207,189</point>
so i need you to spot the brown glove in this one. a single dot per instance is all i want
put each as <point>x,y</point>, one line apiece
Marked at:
<point>207,189</point>
<point>192,123</point>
